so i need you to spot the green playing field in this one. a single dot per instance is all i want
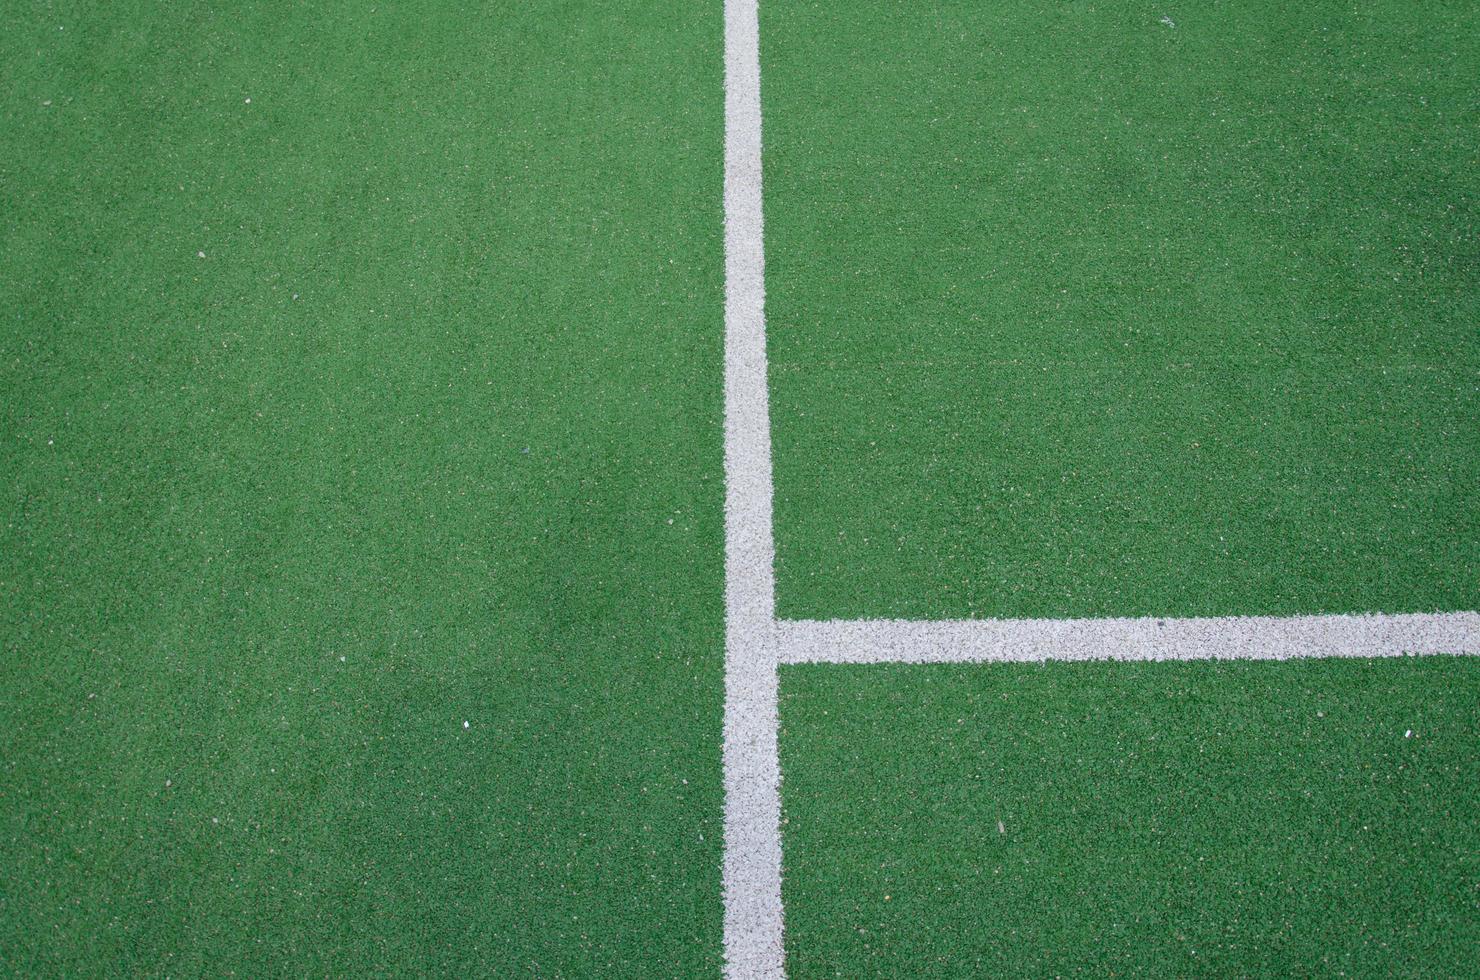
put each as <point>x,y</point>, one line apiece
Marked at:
<point>1086,309</point>
<point>377,376</point>
<point>361,560</point>
<point>1310,818</point>
<point>1126,309</point>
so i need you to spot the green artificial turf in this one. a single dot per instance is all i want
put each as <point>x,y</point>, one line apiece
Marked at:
<point>1236,819</point>
<point>1088,308</point>
<point>361,557</point>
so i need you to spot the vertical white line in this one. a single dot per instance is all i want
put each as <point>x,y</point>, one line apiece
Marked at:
<point>752,861</point>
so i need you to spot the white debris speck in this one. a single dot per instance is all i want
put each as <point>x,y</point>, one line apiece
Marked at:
<point>341,660</point>
<point>1408,734</point>
<point>1167,21</point>
<point>1001,829</point>
<point>168,783</point>
<point>465,725</point>
<point>47,102</point>
<point>248,101</point>
<point>200,255</point>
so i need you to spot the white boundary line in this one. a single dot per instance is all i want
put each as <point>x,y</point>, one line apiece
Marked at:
<point>752,860</point>
<point>756,643</point>
<point>872,641</point>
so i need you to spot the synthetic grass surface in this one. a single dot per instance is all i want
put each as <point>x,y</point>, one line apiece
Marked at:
<point>361,563</point>
<point>1123,308</point>
<point>1235,819</point>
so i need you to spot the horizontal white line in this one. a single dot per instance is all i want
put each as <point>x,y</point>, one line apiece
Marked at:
<point>872,641</point>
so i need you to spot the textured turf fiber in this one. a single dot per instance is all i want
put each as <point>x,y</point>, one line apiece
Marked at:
<point>1123,308</point>
<point>361,373</point>
<point>1236,819</point>
<point>361,555</point>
